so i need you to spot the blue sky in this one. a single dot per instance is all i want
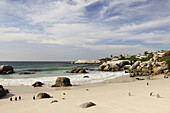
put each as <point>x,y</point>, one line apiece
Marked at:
<point>82,29</point>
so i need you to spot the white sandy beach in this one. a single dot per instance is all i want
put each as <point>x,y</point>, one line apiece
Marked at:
<point>109,98</point>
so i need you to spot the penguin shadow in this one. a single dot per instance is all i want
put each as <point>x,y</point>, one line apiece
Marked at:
<point>130,94</point>
<point>7,96</point>
<point>156,95</point>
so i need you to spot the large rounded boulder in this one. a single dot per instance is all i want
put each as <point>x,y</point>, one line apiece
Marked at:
<point>62,82</point>
<point>5,69</point>
<point>38,84</point>
<point>114,65</point>
<point>3,92</point>
<point>43,95</point>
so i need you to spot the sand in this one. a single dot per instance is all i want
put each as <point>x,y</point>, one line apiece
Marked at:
<point>111,97</point>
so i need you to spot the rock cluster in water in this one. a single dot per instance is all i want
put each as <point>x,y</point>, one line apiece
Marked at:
<point>76,70</point>
<point>5,69</point>
<point>138,68</point>
<point>26,73</point>
<point>87,62</point>
<point>62,82</point>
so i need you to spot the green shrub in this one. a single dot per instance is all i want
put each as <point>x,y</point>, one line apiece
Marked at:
<point>105,59</point>
<point>166,57</point>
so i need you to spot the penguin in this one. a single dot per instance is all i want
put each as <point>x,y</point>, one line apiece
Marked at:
<point>15,98</point>
<point>10,98</point>
<point>158,96</point>
<point>64,94</point>
<point>129,94</point>
<point>147,83</point>
<point>33,97</point>
<point>87,89</point>
<point>19,97</point>
<point>63,98</point>
<point>151,93</point>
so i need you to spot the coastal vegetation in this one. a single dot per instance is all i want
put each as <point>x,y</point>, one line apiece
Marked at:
<point>145,64</point>
<point>140,57</point>
<point>105,59</point>
<point>165,57</point>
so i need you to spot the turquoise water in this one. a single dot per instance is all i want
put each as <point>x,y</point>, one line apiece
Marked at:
<point>47,72</point>
<point>42,69</point>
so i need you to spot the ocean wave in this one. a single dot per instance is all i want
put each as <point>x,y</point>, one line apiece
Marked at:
<point>76,79</point>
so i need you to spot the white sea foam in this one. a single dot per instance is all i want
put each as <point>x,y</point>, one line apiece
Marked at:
<point>75,79</point>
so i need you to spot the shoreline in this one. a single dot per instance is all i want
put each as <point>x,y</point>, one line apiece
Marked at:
<point>23,89</point>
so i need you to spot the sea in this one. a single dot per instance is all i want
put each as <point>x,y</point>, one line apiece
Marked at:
<point>47,72</point>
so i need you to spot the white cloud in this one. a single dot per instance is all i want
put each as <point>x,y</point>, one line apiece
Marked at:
<point>14,34</point>
<point>151,24</point>
<point>65,23</point>
<point>9,29</point>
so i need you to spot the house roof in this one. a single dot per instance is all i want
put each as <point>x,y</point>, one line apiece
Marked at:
<point>163,51</point>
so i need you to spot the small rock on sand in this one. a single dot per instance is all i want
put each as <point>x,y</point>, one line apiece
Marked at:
<point>54,101</point>
<point>87,104</point>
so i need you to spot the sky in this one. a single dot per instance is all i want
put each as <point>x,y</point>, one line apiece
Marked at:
<point>66,30</point>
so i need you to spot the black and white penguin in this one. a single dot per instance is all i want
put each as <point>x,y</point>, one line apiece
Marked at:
<point>10,98</point>
<point>151,93</point>
<point>33,97</point>
<point>15,98</point>
<point>19,97</point>
<point>129,94</point>
<point>158,96</point>
<point>147,83</point>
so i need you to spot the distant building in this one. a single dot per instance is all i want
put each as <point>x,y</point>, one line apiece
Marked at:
<point>127,56</point>
<point>141,56</point>
<point>160,54</point>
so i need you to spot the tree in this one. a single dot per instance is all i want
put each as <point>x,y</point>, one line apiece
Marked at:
<point>145,52</point>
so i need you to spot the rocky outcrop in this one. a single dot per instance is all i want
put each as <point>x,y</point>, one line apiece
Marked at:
<point>115,65</point>
<point>33,70</point>
<point>87,62</point>
<point>3,92</point>
<point>43,95</point>
<point>62,82</point>
<point>26,73</point>
<point>151,67</point>
<point>38,84</point>
<point>86,77</point>
<point>5,69</point>
<point>87,104</point>
<point>76,70</point>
